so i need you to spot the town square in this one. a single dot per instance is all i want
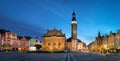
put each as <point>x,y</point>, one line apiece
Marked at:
<point>59,30</point>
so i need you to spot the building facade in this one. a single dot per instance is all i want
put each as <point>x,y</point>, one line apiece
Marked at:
<point>93,46</point>
<point>23,43</point>
<point>53,40</point>
<point>117,40</point>
<point>31,44</point>
<point>8,41</point>
<point>0,42</point>
<point>106,43</point>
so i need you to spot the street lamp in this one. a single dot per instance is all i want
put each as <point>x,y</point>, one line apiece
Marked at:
<point>106,48</point>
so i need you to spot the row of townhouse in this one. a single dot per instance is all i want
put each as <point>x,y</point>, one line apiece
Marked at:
<point>106,43</point>
<point>9,41</point>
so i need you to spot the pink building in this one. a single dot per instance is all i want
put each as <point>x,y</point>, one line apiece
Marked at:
<point>8,40</point>
<point>23,43</point>
<point>0,42</point>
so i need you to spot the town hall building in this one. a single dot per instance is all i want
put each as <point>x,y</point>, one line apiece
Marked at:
<point>73,43</point>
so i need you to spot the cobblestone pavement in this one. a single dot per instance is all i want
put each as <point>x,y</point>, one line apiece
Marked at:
<point>76,56</point>
<point>23,56</point>
<point>90,56</point>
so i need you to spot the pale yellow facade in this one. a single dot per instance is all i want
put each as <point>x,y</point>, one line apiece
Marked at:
<point>55,41</point>
<point>69,46</point>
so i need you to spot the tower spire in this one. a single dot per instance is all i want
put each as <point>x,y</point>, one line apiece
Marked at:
<point>73,16</point>
<point>99,35</point>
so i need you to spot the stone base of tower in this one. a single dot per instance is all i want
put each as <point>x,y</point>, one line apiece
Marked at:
<point>74,44</point>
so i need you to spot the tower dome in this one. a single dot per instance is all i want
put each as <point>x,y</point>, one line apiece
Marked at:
<point>54,32</point>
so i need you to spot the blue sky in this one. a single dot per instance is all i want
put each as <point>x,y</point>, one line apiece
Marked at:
<point>34,17</point>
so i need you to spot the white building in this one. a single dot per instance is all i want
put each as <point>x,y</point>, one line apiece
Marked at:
<point>31,44</point>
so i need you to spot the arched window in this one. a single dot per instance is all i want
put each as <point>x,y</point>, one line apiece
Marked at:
<point>8,41</point>
<point>59,43</point>
<point>54,44</point>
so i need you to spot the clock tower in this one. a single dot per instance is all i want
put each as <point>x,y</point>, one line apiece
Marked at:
<point>74,32</point>
<point>74,26</point>
<point>73,43</point>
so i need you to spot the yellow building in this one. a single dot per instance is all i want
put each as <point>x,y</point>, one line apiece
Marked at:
<point>53,40</point>
<point>106,43</point>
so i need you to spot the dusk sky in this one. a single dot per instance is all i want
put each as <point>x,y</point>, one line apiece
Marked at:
<point>34,17</point>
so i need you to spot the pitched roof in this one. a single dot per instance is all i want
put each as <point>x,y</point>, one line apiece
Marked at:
<point>28,37</point>
<point>69,39</point>
<point>113,33</point>
<point>2,31</point>
<point>79,40</point>
<point>54,32</point>
<point>19,37</point>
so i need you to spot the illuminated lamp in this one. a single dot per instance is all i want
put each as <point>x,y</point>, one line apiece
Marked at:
<point>74,22</point>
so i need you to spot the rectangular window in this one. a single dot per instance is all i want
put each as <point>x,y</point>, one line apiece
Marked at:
<point>48,43</point>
